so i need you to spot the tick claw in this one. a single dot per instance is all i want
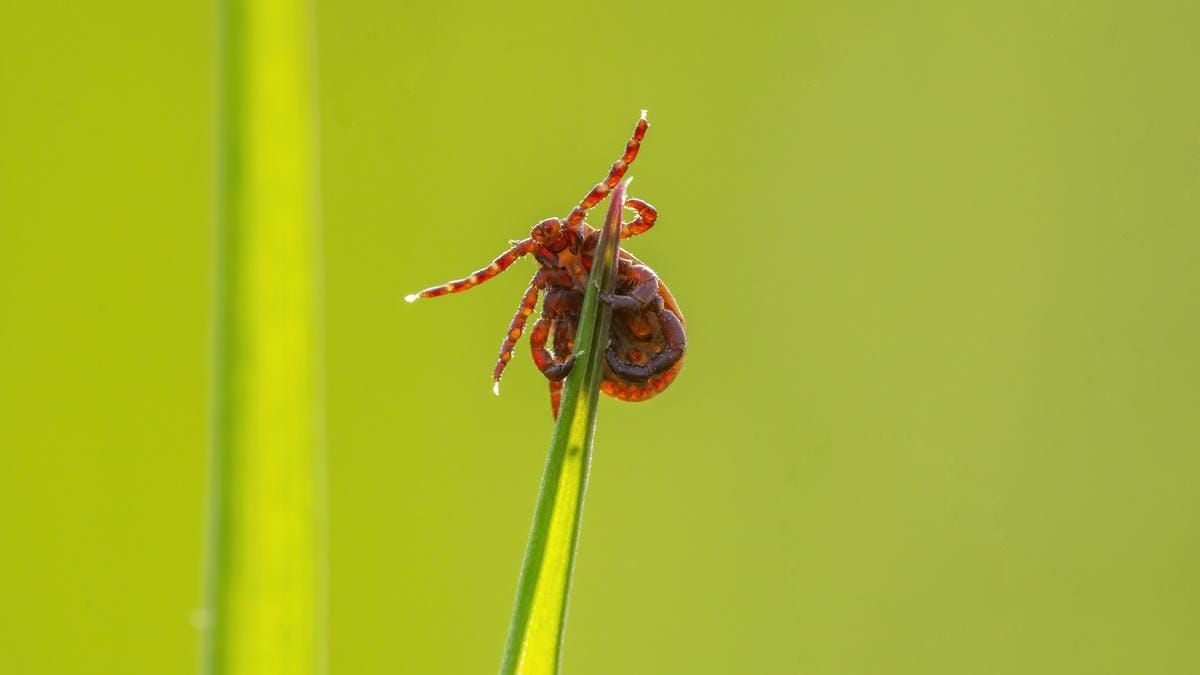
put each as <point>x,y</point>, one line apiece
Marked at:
<point>496,388</point>
<point>411,298</point>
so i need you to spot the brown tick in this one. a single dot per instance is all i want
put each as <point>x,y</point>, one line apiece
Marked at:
<point>647,340</point>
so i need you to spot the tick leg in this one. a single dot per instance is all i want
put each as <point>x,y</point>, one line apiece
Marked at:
<point>556,388</point>
<point>501,263</point>
<point>675,344</point>
<point>676,340</point>
<point>564,342</point>
<point>528,302</point>
<point>646,217</point>
<point>544,278</point>
<point>638,290</point>
<point>553,369</point>
<point>564,337</point>
<point>562,306</point>
<point>615,174</point>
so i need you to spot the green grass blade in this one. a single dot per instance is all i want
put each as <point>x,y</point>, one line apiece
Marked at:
<point>535,636</point>
<point>264,599</point>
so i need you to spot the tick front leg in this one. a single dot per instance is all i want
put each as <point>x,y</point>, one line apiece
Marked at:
<point>615,174</point>
<point>501,263</point>
<point>646,217</point>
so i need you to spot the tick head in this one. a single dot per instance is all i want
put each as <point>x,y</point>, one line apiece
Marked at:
<point>547,232</point>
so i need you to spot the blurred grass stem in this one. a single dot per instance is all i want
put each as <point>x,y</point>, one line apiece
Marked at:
<point>265,570</point>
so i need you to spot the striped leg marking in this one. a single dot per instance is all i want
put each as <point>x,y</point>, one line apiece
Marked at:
<point>515,328</point>
<point>615,174</point>
<point>501,263</point>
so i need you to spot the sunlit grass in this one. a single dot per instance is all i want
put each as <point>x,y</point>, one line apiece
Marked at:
<point>535,636</point>
<point>264,600</point>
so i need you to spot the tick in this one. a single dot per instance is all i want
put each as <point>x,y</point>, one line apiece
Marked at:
<point>647,339</point>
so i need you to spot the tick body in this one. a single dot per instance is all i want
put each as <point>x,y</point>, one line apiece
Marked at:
<point>647,340</point>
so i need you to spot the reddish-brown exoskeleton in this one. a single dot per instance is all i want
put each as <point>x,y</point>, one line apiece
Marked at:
<point>647,340</point>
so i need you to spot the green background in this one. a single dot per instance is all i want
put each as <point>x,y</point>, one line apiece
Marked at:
<point>938,260</point>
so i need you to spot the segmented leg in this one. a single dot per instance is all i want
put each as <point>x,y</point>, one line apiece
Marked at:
<point>615,174</point>
<point>564,342</point>
<point>501,263</point>
<point>554,369</point>
<point>544,278</point>
<point>638,290</point>
<point>646,215</point>
<point>556,387</point>
<point>564,337</point>
<point>637,303</point>
<point>675,343</point>
<point>515,328</point>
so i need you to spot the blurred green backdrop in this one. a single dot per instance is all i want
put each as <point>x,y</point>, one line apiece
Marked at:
<point>938,261</point>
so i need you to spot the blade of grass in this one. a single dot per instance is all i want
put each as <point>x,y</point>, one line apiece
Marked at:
<point>264,577</point>
<point>535,636</point>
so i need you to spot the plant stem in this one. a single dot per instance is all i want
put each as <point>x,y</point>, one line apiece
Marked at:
<point>535,636</point>
<point>264,586</point>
